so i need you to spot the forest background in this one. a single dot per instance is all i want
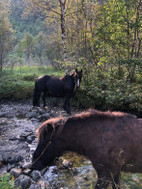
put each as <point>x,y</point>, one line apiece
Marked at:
<point>101,37</point>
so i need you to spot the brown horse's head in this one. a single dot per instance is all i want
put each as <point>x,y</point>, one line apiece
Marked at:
<point>77,77</point>
<point>48,145</point>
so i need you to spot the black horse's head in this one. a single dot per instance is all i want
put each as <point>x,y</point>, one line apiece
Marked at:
<point>48,148</point>
<point>77,77</point>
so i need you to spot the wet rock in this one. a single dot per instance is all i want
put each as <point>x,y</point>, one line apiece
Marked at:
<point>51,174</point>
<point>32,115</point>
<point>23,136</point>
<point>1,159</point>
<point>5,158</point>
<point>10,158</point>
<point>27,171</point>
<point>66,163</point>
<point>3,121</point>
<point>32,147</point>
<point>15,159</point>
<point>43,184</point>
<point>10,167</point>
<point>34,186</point>
<point>26,166</point>
<point>36,175</point>
<point>30,139</point>
<point>23,181</point>
<point>43,171</point>
<point>75,170</point>
<point>2,114</point>
<point>16,172</point>
<point>13,138</point>
<point>44,117</point>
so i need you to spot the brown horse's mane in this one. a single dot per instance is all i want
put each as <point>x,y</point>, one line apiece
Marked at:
<point>60,121</point>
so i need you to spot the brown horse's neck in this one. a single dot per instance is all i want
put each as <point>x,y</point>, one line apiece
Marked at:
<point>74,139</point>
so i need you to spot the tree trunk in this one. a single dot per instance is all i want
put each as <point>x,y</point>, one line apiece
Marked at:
<point>63,28</point>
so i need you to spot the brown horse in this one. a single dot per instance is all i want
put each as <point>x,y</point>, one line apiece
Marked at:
<point>112,141</point>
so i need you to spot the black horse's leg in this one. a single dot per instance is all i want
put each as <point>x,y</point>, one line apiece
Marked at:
<point>101,184</point>
<point>104,178</point>
<point>115,184</point>
<point>43,98</point>
<point>67,103</point>
<point>38,99</point>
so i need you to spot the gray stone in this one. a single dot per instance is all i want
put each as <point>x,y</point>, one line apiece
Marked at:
<point>23,136</point>
<point>30,139</point>
<point>16,172</point>
<point>13,138</point>
<point>36,175</point>
<point>1,159</point>
<point>66,163</point>
<point>32,114</point>
<point>5,158</point>
<point>23,181</point>
<point>34,186</point>
<point>27,171</point>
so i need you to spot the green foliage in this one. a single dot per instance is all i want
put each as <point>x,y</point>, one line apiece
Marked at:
<point>6,181</point>
<point>108,91</point>
<point>132,181</point>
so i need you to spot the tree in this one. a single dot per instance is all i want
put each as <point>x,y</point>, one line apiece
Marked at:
<point>56,11</point>
<point>40,46</point>
<point>6,32</point>
<point>28,45</point>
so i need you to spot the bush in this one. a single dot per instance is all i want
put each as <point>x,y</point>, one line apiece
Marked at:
<point>6,181</point>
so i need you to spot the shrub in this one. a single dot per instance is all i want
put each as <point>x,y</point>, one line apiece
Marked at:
<point>6,181</point>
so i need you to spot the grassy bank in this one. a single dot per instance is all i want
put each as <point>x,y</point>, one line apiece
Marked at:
<point>18,83</point>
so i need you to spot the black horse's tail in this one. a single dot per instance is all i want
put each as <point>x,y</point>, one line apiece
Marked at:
<point>35,95</point>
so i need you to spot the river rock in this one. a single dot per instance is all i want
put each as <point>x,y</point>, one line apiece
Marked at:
<point>16,172</point>
<point>34,186</point>
<point>15,159</point>
<point>23,181</point>
<point>66,163</point>
<point>30,139</point>
<point>23,136</point>
<point>3,121</point>
<point>36,175</point>
<point>27,171</point>
<point>32,114</point>
<point>5,158</point>
<point>1,159</point>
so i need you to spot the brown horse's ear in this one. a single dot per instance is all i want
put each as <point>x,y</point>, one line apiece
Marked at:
<point>48,131</point>
<point>49,128</point>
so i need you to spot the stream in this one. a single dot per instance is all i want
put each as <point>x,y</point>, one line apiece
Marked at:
<point>18,124</point>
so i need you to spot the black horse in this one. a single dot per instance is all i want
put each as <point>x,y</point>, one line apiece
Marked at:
<point>57,87</point>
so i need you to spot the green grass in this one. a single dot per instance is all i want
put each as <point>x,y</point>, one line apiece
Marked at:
<point>18,83</point>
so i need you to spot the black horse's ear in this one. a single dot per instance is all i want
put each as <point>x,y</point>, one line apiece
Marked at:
<point>76,70</point>
<point>81,70</point>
